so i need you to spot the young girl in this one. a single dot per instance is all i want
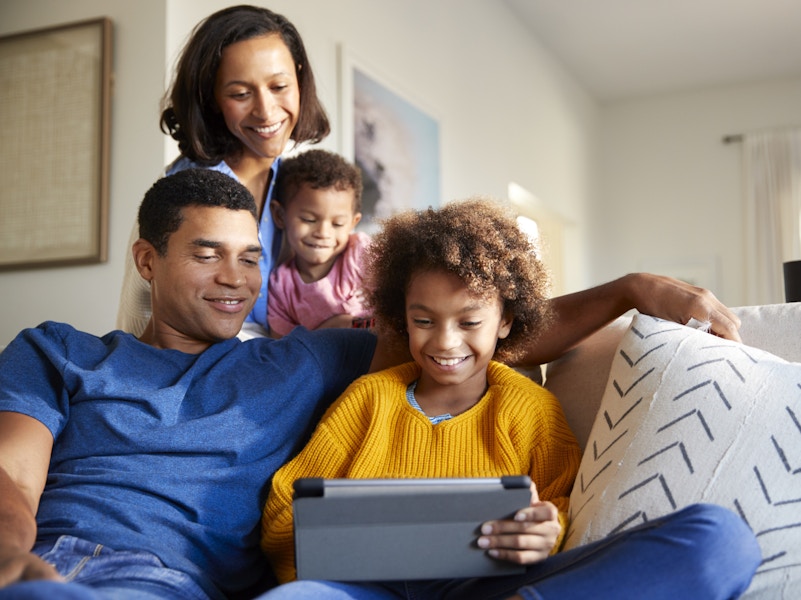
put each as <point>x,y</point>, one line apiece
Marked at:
<point>460,287</point>
<point>317,205</point>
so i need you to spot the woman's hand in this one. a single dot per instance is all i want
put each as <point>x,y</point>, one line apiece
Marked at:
<point>527,538</point>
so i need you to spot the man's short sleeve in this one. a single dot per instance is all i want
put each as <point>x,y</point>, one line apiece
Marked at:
<point>31,380</point>
<point>343,354</point>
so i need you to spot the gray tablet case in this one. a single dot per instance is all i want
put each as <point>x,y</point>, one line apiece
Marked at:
<point>401,529</point>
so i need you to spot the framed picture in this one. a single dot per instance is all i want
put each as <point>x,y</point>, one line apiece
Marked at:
<point>55,92</point>
<point>391,139</point>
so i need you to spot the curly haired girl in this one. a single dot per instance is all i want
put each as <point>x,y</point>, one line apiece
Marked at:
<point>462,286</point>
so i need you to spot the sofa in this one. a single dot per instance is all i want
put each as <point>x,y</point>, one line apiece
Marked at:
<point>668,415</point>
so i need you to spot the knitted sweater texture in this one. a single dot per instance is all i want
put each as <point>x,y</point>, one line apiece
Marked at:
<point>371,431</point>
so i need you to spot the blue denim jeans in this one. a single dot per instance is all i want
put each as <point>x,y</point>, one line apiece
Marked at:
<point>94,572</point>
<point>703,551</point>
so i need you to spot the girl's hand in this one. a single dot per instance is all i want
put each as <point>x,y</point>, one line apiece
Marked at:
<point>527,538</point>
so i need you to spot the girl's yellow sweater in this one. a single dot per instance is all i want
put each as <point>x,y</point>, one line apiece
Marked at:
<point>372,431</point>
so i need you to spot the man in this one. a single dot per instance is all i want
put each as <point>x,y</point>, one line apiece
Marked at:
<point>138,467</point>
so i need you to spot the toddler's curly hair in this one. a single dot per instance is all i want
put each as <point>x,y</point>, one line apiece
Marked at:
<point>319,169</point>
<point>479,241</point>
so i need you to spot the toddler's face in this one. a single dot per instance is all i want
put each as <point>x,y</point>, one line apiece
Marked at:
<point>317,224</point>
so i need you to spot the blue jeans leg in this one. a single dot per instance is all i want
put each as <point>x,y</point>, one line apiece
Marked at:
<point>331,590</point>
<point>94,572</point>
<point>703,551</point>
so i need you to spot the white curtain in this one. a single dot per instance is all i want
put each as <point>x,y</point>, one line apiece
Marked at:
<point>772,180</point>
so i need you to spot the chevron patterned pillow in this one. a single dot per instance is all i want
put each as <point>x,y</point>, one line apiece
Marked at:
<point>687,417</point>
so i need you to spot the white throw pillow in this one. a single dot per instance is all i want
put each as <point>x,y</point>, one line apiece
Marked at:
<point>687,417</point>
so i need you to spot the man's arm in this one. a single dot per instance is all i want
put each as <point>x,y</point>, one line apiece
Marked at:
<point>578,315</point>
<point>25,448</point>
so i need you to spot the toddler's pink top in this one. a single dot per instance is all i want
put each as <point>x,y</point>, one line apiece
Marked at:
<point>291,301</point>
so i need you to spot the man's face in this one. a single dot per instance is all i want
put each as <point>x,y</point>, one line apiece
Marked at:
<point>207,282</point>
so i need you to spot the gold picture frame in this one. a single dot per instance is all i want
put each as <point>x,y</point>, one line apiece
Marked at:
<point>55,100</point>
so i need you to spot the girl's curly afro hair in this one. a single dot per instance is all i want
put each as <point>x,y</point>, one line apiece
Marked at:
<point>479,241</point>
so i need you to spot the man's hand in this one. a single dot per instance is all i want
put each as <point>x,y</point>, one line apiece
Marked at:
<point>678,301</point>
<point>527,538</point>
<point>16,566</point>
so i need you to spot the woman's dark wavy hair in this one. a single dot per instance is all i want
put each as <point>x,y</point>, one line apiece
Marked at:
<point>189,110</point>
<point>479,241</point>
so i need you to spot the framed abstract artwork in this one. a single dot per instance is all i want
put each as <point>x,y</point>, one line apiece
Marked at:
<point>394,142</point>
<point>55,97</point>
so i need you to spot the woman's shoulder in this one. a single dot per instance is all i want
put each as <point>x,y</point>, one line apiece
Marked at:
<point>182,163</point>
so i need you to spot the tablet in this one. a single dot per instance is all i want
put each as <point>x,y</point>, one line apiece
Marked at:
<point>401,529</point>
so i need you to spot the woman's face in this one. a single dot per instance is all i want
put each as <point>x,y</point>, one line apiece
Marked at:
<point>258,94</point>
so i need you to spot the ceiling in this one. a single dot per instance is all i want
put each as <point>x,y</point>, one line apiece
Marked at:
<point>621,49</point>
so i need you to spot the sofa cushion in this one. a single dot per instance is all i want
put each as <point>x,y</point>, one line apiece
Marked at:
<point>687,417</point>
<point>579,377</point>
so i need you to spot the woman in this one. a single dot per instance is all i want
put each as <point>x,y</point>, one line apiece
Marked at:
<point>243,88</point>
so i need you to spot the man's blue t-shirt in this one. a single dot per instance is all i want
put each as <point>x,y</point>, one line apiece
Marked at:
<point>168,452</point>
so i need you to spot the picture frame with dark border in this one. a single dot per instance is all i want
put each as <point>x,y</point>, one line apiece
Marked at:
<point>393,138</point>
<point>55,105</point>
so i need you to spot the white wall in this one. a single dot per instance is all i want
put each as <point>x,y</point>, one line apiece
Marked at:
<point>671,192</point>
<point>507,113</point>
<point>87,296</point>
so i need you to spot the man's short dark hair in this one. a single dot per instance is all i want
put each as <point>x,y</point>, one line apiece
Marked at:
<point>160,214</point>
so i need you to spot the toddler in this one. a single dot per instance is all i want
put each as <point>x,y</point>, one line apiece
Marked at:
<point>318,205</point>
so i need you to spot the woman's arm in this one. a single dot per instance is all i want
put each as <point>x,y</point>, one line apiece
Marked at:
<point>134,309</point>
<point>578,315</point>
